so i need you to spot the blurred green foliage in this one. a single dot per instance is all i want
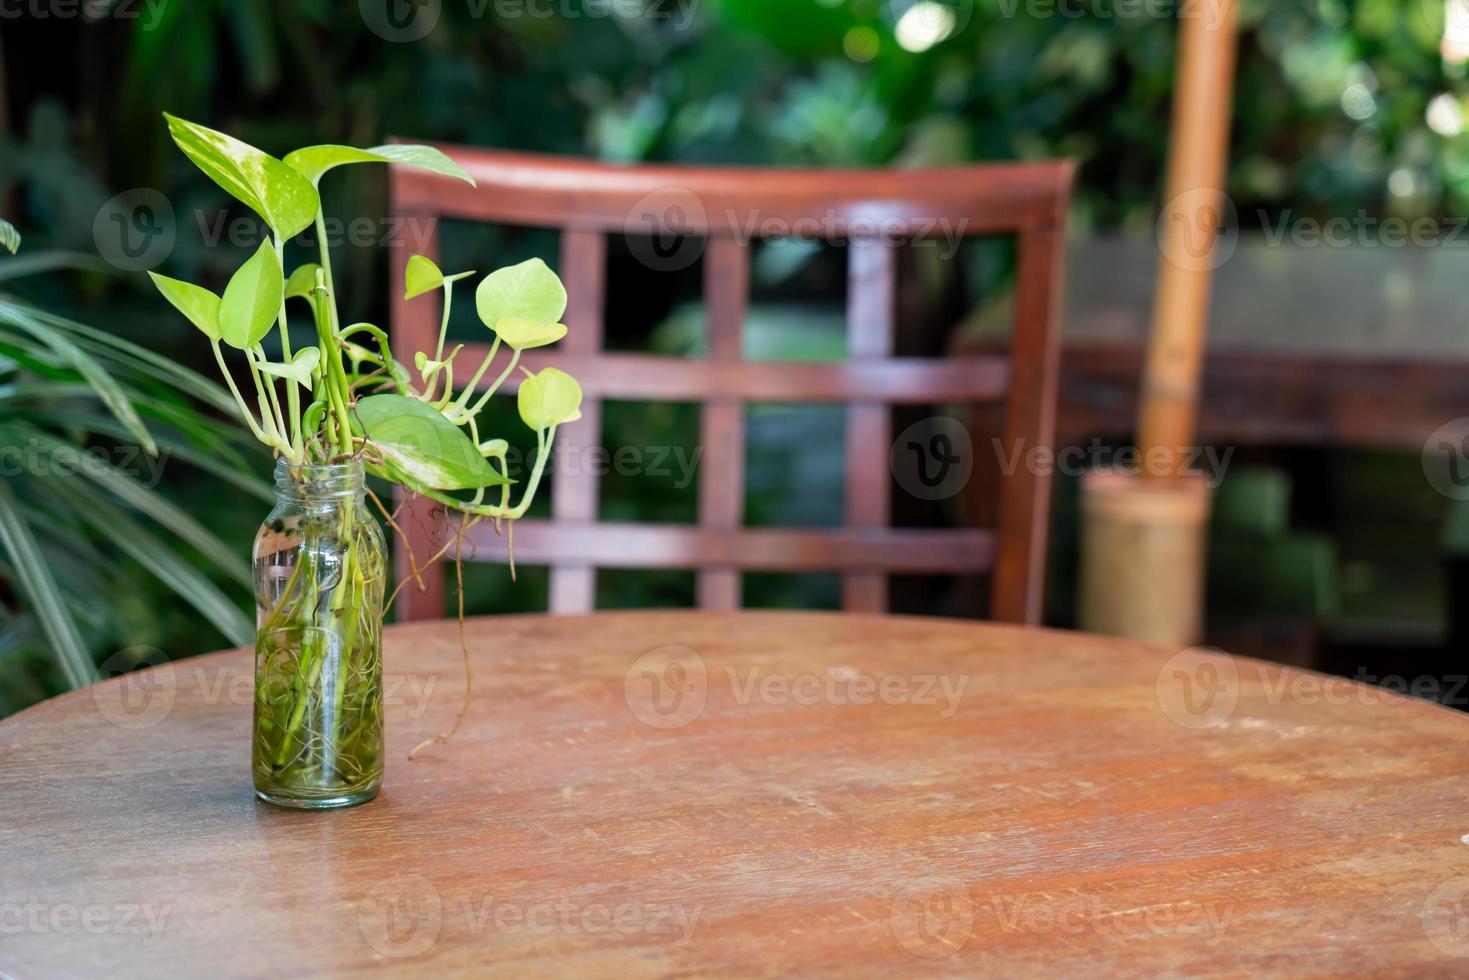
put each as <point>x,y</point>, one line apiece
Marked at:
<point>1333,106</point>
<point>1332,96</point>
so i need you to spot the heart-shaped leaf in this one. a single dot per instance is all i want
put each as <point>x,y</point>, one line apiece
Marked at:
<point>421,275</point>
<point>280,194</point>
<point>550,398</point>
<point>521,334</point>
<point>313,161</point>
<point>528,291</point>
<point>420,444</point>
<point>300,368</point>
<point>252,300</point>
<point>494,449</point>
<point>302,281</point>
<point>195,302</point>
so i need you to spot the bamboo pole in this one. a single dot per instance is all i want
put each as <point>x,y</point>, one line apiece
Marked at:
<point>1193,215</point>
<point>1143,540</point>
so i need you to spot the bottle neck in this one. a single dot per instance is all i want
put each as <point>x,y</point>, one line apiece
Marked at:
<point>319,485</point>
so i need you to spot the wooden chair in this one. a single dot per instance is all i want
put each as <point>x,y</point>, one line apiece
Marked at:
<point>868,209</point>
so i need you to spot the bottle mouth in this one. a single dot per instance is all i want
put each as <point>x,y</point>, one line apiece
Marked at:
<point>320,481</point>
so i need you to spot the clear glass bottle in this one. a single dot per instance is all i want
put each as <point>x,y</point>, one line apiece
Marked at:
<point>320,572</point>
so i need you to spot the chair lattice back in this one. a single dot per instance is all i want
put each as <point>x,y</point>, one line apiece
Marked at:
<point>870,210</point>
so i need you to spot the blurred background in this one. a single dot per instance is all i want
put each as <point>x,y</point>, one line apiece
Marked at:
<point>1332,545</point>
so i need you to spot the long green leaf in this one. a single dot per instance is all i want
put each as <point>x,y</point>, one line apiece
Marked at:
<point>100,342</point>
<point>101,382</point>
<point>34,579</point>
<point>280,194</point>
<point>313,161</point>
<point>134,540</point>
<point>151,503</point>
<point>211,463</point>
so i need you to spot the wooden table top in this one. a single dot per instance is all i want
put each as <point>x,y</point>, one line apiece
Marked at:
<point>702,794</point>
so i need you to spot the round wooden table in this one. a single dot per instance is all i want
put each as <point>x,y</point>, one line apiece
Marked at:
<point>701,794</point>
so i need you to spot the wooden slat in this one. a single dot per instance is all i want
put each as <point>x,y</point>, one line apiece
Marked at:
<point>722,421</point>
<point>415,326</point>
<point>629,545</point>
<point>574,496</point>
<point>1025,493</point>
<point>647,377</point>
<point>549,191</point>
<point>871,288</point>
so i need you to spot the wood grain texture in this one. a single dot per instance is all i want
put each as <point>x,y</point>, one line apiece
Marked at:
<point>1019,802</point>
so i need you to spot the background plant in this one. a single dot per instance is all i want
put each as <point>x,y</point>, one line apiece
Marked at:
<point>87,423</point>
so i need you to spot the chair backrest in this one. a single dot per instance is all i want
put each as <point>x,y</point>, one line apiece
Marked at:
<point>871,210</point>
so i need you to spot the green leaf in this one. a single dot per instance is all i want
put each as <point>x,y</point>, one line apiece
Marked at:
<point>422,275</point>
<point>550,398</point>
<point>300,368</point>
<point>195,302</point>
<point>280,194</point>
<point>9,237</point>
<point>419,443</point>
<point>313,161</point>
<point>302,281</point>
<point>35,581</point>
<point>528,291</point>
<point>151,503</point>
<point>92,372</point>
<point>252,300</point>
<point>134,540</point>
<point>521,334</point>
<point>125,352</point>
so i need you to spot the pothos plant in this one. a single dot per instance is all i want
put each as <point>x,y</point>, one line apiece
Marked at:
<point>341,400</point>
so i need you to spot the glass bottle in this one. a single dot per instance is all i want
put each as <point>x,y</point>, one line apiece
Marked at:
<point>320,570</point>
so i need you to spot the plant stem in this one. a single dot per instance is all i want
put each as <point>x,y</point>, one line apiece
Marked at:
<point>469,388</point>
<point>444,322</point>
<point>245,412</point>
<point>277,438</point>
<point>257,355</point>
<point>293,399</point>
<point>337,371</point>
<point>490,391</point>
